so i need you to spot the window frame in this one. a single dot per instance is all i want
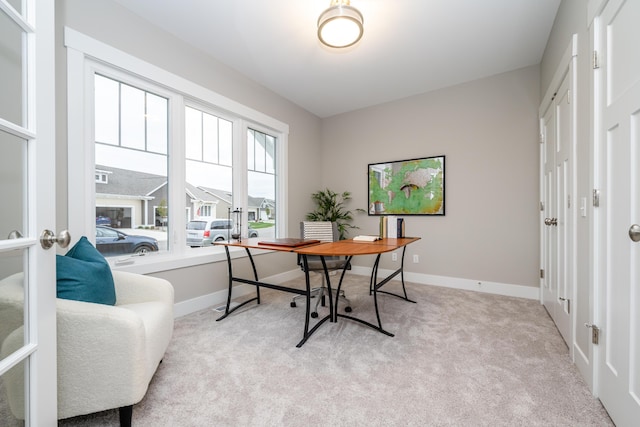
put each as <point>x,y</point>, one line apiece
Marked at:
<point>87,56</point>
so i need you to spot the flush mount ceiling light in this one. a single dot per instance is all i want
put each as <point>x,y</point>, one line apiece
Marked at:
<point>340,25</point>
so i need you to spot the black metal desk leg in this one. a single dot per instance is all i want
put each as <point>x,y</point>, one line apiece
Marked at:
<point>374,278</point>
<point>326,275</point>
<point>376,286</point>
<point>344,271</point>
<point>255,273</point>
<point>402,275</point>
<point>307,332</point>
<point>308,304</point>
<point>226,310</point>
<point>373,289</point>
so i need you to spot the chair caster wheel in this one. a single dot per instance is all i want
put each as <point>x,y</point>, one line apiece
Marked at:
<point>347,309</point>
<point>314,314</point>
<point>293,304</point>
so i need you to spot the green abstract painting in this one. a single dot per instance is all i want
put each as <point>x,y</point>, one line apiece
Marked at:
<point>407,187</point>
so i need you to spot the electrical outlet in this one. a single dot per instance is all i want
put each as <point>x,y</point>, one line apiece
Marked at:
<point>394,256</point>
<point>416,259</point>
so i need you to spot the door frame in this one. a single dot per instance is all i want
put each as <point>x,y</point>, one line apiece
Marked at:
<point>595,8</point>
<point>44,387</point>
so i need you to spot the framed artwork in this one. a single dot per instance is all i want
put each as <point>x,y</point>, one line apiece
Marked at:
<point>407,187</point>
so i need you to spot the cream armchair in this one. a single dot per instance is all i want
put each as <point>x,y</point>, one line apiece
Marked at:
<point>107,355</point>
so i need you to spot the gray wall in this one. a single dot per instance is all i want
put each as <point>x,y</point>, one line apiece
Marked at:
<point>488,131</point>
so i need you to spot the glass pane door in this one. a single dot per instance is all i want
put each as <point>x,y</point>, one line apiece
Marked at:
<point>25,302</point>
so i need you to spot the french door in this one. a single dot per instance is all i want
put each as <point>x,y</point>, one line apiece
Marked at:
<point>617,224</point>
<point>27,190</point>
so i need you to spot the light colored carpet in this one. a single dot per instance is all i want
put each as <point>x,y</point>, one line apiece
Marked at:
<point>458,358</point>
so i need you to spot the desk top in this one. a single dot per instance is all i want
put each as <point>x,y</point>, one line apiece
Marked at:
<point>254,243</point>
<point>352,247</point>
<point>339,248</point>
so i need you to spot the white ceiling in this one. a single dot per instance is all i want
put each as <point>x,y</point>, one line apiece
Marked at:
<point>409,46</point>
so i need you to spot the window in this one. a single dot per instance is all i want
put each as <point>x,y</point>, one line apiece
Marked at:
<point>131,145</point>
<point>261,166</point>
<point>102,177</point>
<point>163,144</point>
<point>208,164</point>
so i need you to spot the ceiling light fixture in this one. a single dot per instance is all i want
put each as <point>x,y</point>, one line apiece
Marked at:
<point>340,25</point>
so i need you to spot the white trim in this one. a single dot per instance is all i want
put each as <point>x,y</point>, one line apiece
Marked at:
<point>80,158</point>
<point>506,289</point>
<point>214,299</point>
<point>591,372</point>
<point>594,8</point>
<point>16,17</point>
<point>562,70</point>
<point>85,56</point>
<point>16,130</point>
<point>42,378</point>
<point>102,52</point>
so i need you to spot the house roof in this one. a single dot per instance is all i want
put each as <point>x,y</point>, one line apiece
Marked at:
<point>221,195</point>
<point>198,194</point>
<point>124,182</point>
<point>139,185</point>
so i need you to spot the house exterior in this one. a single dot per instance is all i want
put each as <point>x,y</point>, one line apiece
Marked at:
<point>129,199</point>
<point>132,199</point>
<point>258,208</point>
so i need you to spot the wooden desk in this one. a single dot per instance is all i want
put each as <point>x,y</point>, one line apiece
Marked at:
<point>347,248</point>
<point>254,243</point>
<point>351,248</point>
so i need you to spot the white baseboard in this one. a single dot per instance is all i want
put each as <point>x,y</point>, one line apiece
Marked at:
<point>520,291</point>
<point>218,298</point>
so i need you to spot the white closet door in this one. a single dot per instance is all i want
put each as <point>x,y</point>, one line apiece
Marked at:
<point>618,144</point>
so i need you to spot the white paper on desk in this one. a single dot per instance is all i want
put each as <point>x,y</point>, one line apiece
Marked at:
<point>366,238</point>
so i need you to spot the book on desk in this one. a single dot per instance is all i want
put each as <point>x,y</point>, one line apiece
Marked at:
<point>289,242</point>
<point>366,238</point>
<point>391,226</point>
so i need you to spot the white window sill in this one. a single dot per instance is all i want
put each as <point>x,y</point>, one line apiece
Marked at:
<point>156,263</point>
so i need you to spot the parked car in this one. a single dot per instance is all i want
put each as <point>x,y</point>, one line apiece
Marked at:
<point>203,232</point>
<point>103,220</point>
<point>114,242</point>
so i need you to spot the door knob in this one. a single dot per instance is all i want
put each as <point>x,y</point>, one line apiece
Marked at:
<point>634,233</point>
<point>48,238</point>
<point>15,234</point>
<point>547,221</point>
<point>551,221</point>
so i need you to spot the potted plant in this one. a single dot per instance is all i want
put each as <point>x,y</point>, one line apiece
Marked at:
<point>330,207</point>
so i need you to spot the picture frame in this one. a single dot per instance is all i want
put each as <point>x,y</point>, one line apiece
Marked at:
<point>407,187</point>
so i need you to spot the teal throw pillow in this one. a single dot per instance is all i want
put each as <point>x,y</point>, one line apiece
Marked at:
<point>84,275</point>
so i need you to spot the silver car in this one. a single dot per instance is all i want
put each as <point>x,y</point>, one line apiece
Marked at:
<point>202,232</point>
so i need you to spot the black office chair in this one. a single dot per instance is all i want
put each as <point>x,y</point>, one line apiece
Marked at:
<point>325,231</point>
